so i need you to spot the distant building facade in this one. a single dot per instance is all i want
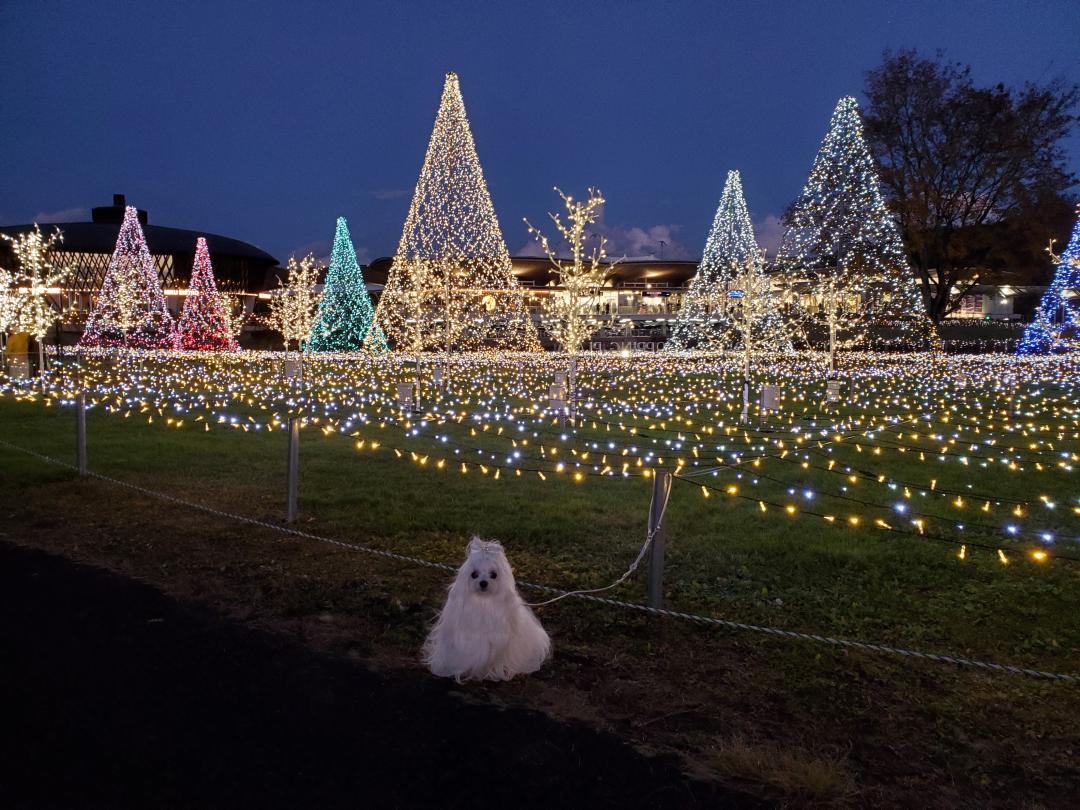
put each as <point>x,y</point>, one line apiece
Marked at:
<point>240,269</point>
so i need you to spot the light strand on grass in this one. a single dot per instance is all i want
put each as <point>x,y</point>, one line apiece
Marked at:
<point>649,537</point>
<point>864,646</point>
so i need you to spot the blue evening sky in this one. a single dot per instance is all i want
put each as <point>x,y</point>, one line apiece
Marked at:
<point>266,120</point>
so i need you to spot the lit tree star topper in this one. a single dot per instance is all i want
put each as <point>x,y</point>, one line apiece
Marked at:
<point>345,316</point>
<point>451,286</point>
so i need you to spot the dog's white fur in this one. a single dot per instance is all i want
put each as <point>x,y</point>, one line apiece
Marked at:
<point>485,630</point>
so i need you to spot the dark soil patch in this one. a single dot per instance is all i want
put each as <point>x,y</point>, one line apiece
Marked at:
<point>118,696</point>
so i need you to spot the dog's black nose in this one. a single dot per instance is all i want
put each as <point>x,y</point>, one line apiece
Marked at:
<point>483,584</point>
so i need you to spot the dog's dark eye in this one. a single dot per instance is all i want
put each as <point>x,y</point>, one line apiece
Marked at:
<point>475,574</point>
<point>494,575</point>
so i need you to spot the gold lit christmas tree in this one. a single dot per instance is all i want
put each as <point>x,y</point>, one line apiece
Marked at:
<point>451,287</point>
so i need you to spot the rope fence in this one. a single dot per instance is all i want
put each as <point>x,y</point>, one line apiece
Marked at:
<point>710,621</point>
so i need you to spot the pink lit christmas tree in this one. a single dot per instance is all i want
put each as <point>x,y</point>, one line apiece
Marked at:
<point>204,323</point>
<point>130,308</point>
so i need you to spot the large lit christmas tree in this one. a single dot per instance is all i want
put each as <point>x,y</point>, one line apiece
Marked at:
<point>130,308</point>
<point>844,244</point>
<point>204,322</point>
<point>1056,327</point>
<point>451,286</point>
<point>720,305</point>
<point>345,315</point>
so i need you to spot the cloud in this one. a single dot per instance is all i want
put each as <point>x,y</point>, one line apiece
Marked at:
<point>321,250</point>
<point>624,242</point>
<point>531,248</point>
<point>63,215</point>
<point>645,243</point>
<point>769,232</point>
<point>389,193</point>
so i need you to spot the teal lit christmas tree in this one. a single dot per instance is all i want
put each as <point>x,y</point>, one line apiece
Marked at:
<point>844,247</point>
<point>1056,327</point>
<point>712,313</point>
<point>204,322</point>
<point>345,313</point>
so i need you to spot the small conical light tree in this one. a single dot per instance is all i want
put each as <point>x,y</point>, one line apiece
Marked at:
<point>204,322</point>
<point>844,243</point>
<point>1056,327</point>
<point>724,303</point>
<point>451,286</point>
<point>130,308</point>
<point>28,306</point>
<point>568,311</point>
<point>345,315</point>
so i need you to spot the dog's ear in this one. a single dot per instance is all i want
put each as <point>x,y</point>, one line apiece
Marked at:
<point>476,544</point>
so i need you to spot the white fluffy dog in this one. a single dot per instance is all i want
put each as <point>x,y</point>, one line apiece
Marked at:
<point>485,630</point>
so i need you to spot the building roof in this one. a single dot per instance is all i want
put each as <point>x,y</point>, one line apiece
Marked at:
<point>100,237</point>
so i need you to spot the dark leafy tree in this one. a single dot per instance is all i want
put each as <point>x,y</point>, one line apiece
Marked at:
<point>976,176</point>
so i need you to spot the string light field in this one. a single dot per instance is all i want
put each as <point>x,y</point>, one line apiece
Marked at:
<point>963,452</point>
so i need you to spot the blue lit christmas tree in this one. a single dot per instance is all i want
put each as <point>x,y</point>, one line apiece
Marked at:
<point>1056,327</point>
<point>345,313</point>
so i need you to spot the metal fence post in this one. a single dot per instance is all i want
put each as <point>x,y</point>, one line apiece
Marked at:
<point>293,479</point>
<point>80,432</point>
<point>661,488</point>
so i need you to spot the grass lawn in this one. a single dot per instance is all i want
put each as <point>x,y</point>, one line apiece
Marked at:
<point>957,445</point>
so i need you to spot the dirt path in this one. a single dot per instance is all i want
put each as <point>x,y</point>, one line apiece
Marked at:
<point>116,696</point>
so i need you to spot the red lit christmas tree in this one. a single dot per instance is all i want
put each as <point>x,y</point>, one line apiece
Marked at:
<point>204,323</point>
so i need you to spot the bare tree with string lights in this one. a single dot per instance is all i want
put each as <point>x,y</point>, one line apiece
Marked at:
<point>568,311</point>
<point>29,307</point>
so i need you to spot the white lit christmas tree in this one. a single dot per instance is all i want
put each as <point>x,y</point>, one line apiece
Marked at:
<point>1056,326</point>
<point>451,286</point>
<point>130,308</point>
<point>205,320</point>
<point>844,245</point>
<point>726,301</point>
<point>345,316</point>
